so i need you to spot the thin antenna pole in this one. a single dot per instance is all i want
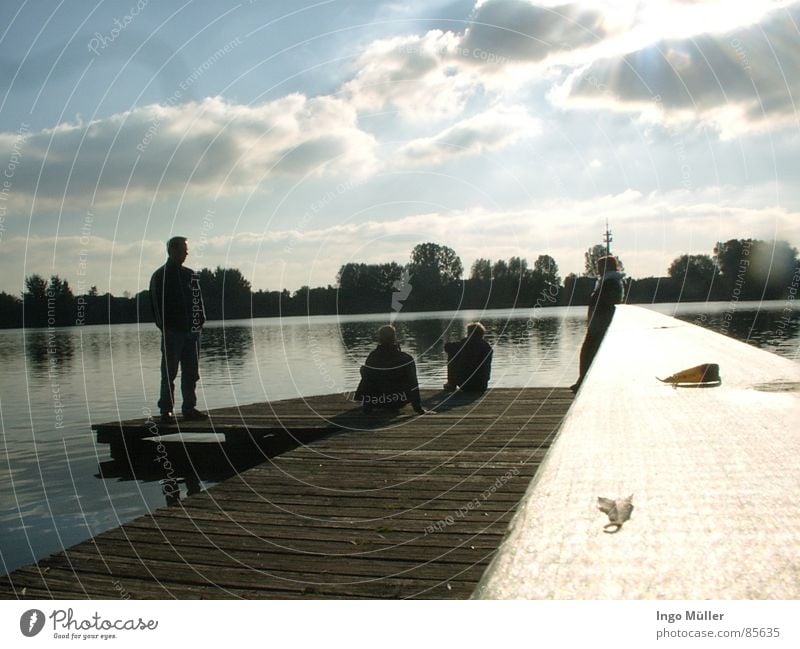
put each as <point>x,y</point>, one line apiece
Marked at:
<point>607,238</point>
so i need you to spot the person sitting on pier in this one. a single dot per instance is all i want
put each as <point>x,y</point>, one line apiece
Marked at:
<point>609,291</point>
<point>469,361</point>
<point>389,376</point>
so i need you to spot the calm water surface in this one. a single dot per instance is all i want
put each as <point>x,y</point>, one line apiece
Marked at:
<point>54,383</point>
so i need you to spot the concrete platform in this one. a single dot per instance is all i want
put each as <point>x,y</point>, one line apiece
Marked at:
<point>714,473</point>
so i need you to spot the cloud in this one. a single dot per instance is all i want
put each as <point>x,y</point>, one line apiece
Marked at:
<point>416,75</point>
<point>527,31</point>
<point>488,131</point>
<point>650,230</point>
<point>208,147</point>
<point>434,76</point>
<point>737,82</point>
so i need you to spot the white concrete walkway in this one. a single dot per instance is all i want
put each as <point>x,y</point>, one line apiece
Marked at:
<point>714,473</point>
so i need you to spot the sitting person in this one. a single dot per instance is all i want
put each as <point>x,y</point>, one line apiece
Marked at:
<point>469,361</point>
<point>389,376</point>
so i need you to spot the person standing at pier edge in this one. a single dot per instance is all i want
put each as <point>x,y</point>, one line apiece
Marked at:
<point>608,292</point>
<point>179,313</point>
<point>469,361</point>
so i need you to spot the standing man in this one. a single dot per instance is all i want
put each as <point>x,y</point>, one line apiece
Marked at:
<point>179,313</point>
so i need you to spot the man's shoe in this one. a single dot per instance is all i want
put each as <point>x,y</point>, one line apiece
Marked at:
<point>168,418</point>
<point>194,414</point>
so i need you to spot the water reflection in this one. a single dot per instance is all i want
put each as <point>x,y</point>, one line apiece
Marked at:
<point>426,337</point>
<point>774,329</point>
<point>229,344</point>
<point>49,350</point>
<point>546,333</point>
<point>358,338</point>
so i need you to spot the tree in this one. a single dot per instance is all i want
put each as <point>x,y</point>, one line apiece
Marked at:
<point>693,276</point>
<point>370,278</point>
<point>518,268</point>
<point>60,293</point>
<point>367,287</point>
<point>389,275</point>
<point>212,293</point>
<point>349,277</point>
<point>576,290</point>
<point>728,256</point>
<point>500,269</point>
<point>692,268</point>
<point>590,258</point>
<point>482,270</point>
<point>755,269</point>
<point>47,303</point>
<point>235,293</point>
<point>434,266</point>
<point>547,268</point>
<point>34,301</point>
<point>10,310</point>
<point>36,287</point>
<point>226,293</point>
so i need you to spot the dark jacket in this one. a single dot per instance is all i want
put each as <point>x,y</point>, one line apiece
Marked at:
<point>470,361</point>
<point>389,379</point>
<point>608,292</point>
<point>176,298</point>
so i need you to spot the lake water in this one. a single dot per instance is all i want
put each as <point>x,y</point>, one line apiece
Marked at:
<point>54,383</point>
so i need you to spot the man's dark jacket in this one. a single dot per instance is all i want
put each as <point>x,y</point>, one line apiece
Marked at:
<point>608,292</point>
<point>471,362</point>
<point>176,298</point>
<point>389,378</point>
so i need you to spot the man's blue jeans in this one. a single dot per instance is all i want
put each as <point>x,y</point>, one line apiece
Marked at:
<point>179,348</point>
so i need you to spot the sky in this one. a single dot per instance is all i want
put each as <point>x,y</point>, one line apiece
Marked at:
<point>286,139</point>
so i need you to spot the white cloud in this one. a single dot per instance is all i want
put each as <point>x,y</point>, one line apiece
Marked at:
<point>488,131</point>
<point>650,231</point>
<point>416,75</point>
<point>737,82</point>
<point>521,30</point>
<point>435,75</point>
<point>211,146</point>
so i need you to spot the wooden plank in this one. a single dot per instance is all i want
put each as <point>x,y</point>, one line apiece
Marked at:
<point>714,474</point>
<point>244,522</point>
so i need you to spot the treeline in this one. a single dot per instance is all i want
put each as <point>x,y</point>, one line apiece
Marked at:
<point>739,269</point>
<point>433,279</point>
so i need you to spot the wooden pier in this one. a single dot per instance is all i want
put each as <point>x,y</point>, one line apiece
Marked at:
<point>349,506</point>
